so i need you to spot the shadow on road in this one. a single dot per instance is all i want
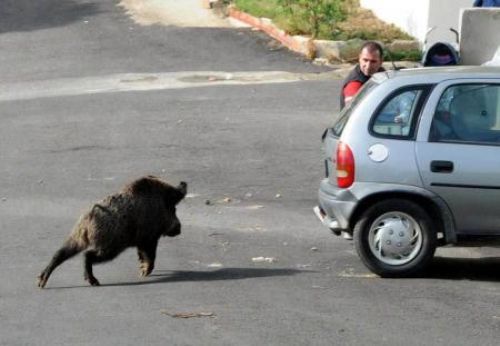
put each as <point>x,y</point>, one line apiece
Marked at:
<point>27,15</point>
<point>215,275</point>
<point>476,269</point>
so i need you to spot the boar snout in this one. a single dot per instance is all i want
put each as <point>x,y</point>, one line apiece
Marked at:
<point>174,229</point>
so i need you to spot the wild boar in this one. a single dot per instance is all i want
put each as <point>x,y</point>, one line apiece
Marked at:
<point>137,216</point>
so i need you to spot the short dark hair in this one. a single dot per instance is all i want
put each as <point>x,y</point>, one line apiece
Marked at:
<point>372,46</point>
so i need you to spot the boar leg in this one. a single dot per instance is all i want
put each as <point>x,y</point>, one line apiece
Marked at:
<point>95,257</point>
<point>147,256</point>
<point>67,251</point>
<point>142,261</point>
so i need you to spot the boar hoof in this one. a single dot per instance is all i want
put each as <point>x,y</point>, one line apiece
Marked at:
<point>93,281</point>
<point>42,280</point>
<point>145,270</point>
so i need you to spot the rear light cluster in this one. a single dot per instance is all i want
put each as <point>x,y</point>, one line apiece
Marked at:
<point>345,165</point>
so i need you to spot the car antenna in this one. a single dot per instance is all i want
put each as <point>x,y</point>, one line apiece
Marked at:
<point>394,67</point>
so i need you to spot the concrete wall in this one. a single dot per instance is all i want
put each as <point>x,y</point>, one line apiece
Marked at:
<point>479,35</point>
<point>417,16</point>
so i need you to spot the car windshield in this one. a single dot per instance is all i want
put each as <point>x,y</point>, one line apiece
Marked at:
<point>344,115</point>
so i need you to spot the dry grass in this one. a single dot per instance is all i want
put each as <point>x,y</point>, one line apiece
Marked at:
<point>363,24</point>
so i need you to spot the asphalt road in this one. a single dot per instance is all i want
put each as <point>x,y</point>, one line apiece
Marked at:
<point>90,100</point>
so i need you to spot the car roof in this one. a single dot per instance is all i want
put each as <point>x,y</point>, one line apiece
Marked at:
<point>438,74</point>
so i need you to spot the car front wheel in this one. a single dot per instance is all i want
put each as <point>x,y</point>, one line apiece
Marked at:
<point>395,238</point>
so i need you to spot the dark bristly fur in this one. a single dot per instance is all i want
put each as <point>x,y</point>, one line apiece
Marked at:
<point>136,216</point>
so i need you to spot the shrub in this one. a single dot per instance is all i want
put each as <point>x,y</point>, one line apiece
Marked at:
<point>316,17</point>
<point>323,19</point>
<point>298,17</point>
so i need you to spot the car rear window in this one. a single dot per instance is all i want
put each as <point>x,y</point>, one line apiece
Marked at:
<point>345,114</point>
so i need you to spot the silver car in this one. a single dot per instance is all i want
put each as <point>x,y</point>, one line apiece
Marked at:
<point>413,163</point>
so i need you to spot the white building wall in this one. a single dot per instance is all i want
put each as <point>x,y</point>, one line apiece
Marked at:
<point>410,16</point>
<point>417,16</point>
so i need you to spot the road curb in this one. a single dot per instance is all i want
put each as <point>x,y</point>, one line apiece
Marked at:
<point>299,44</point>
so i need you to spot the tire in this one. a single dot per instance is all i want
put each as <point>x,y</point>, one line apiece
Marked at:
<point>395,238</point>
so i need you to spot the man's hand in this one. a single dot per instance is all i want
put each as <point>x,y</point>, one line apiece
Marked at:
<point>399,119</point>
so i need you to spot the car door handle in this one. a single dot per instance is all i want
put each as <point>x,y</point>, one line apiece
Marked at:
<point>441,166</point>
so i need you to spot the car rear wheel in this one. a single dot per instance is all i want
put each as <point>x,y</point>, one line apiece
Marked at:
<point>395,238</point>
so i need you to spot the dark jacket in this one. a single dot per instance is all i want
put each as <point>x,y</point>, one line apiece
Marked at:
<point>354,75</point>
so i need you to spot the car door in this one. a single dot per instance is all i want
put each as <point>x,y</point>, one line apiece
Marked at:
<point>459,152</point>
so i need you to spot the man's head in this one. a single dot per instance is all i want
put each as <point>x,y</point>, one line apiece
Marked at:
<point>370,58</point>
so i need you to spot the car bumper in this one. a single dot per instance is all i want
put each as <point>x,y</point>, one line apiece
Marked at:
<point>327,221</point>
<point>335,207</point>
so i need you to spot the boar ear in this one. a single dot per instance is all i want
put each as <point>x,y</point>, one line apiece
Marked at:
<point>183,186</point>
<point>182,191</point>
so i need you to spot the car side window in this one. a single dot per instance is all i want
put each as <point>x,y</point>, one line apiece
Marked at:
<point>468,113</point>
<point>395,117</point>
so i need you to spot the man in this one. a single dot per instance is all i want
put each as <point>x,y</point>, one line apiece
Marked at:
<point>370,62</point>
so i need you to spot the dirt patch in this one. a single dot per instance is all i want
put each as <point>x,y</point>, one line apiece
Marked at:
<point>185,13</point>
